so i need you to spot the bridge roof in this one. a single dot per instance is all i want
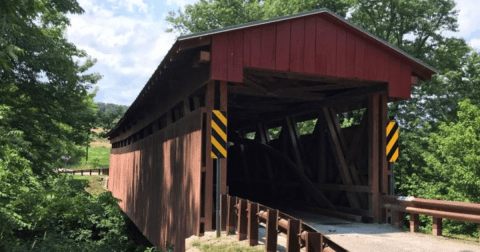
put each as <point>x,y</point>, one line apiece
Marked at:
<point>318,43</point>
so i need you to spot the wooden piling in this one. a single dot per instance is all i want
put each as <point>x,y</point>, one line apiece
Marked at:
<point>414,222</point>
<point>252,233</point>
<point>293,244</point>
<point>437,226</point>
<point>271,236</point>
<point>231,215</point>
<point>242,220</point>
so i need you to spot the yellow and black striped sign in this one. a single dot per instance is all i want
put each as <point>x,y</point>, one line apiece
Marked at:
<point>392,142</point>
<point>219,134</point>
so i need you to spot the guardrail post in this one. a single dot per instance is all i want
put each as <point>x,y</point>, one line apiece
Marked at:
<point>293,244</point>
<point>252,233</point>
<point>271,237</point>
<point>414,222</point>
<point>437,226</point>
<point>399,218</point>
<point>90,172</point>
<point>224,213</point>
<point>313,242</point>
<point>81,172</point>
<point>231,214</point>
<point>242,220</point>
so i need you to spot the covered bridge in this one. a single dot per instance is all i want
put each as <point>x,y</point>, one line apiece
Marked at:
<point>269,76</point>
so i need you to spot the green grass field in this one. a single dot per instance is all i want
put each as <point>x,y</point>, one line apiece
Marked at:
<point>93,184</point>
<point>98,157</point>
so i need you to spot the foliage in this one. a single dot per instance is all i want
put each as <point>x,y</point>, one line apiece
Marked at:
<point>49,91</point>
<point>108,115</point>
<point>212,14</point>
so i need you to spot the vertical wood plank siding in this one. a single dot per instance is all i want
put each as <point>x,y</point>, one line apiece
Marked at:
<point>158,181</point>
<point>313,44</point>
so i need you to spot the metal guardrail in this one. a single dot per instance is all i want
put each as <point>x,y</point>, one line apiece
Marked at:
<point>245,216</point>
<point>438,209</point>
<point>89,172</point>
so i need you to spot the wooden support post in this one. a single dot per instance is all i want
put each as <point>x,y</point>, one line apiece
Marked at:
<point>231,215</point>
<point>223,107</point>
<point>262,133</point>
<point>209,103</point>
<point>313,242</point>
<point>340,158</point>
<point>81,172</point>
<point>373,152</point>
<point>437,226</point>
<point>242,220</point>
<point>293,244</point>
<point>383,164</point>
<point>224,211</point>
<point>399,219</point>
<point>294,136</point>
<point>414,222</point>
<point>271,236</point>
<point>90,172</point>
<point>252,234</point>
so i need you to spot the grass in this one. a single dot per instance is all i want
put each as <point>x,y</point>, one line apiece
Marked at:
<point>223,245</point>
<point>93,184</point>
<point>98,157</point>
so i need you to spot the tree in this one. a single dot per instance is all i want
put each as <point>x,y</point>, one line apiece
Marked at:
<point>212,14</point>
<point>48,90</point>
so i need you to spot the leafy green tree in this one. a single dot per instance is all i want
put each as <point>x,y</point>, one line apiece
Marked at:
<point>212,14</point>
<point>108,115</point>
<point>49,91</point>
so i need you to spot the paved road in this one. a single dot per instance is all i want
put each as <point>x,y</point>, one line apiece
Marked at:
<point>363,237</point>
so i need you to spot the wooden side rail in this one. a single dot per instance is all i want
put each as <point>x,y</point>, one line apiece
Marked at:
<point>89,171</point>
<point>437,209</point>
<point>250,214</point>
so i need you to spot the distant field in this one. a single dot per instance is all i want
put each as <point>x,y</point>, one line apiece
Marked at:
<point>98,157</point>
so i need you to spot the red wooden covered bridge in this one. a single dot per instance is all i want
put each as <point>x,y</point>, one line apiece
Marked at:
<point>270,76</point>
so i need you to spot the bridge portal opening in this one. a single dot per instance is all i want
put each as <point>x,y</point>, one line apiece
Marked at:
<point>300,141</point>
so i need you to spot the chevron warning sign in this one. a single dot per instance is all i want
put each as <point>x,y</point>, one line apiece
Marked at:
<point>219,134</point>
<point>392,142</point>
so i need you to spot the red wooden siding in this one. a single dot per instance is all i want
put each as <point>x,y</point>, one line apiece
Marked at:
<point>312,44</point>
<point>158,181</point>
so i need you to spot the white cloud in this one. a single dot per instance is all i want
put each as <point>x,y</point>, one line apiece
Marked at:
<point>475,43</point>
<point>468,18</point>
<point>127,43</point>
<point>180,3</point>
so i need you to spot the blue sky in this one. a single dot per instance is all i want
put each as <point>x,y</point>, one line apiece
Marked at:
<point>128,39</point>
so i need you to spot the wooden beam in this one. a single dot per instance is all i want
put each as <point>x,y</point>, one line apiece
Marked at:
<point>414,80</point>
<point>340,158</point>
<point>307,77</point>
<point>306,183</point>
<point>209,203</point>
<point>257,86</point>
<point>194,43</point>
<point>294,136</point>
<point>345,188</point>
<point>224,107</point>
<point>383,164</point>
<point>262,133</point>
<point>373,166</point>
<point>350,165</point>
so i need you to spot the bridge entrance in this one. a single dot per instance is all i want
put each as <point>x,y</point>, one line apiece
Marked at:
<point>300,140</point>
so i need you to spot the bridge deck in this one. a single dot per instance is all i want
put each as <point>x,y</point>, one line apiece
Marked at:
<point>360,237</point>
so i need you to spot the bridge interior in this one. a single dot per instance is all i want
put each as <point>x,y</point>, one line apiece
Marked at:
<point>300,140</point>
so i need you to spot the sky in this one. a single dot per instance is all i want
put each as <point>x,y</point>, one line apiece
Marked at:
<point>128,39</point>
